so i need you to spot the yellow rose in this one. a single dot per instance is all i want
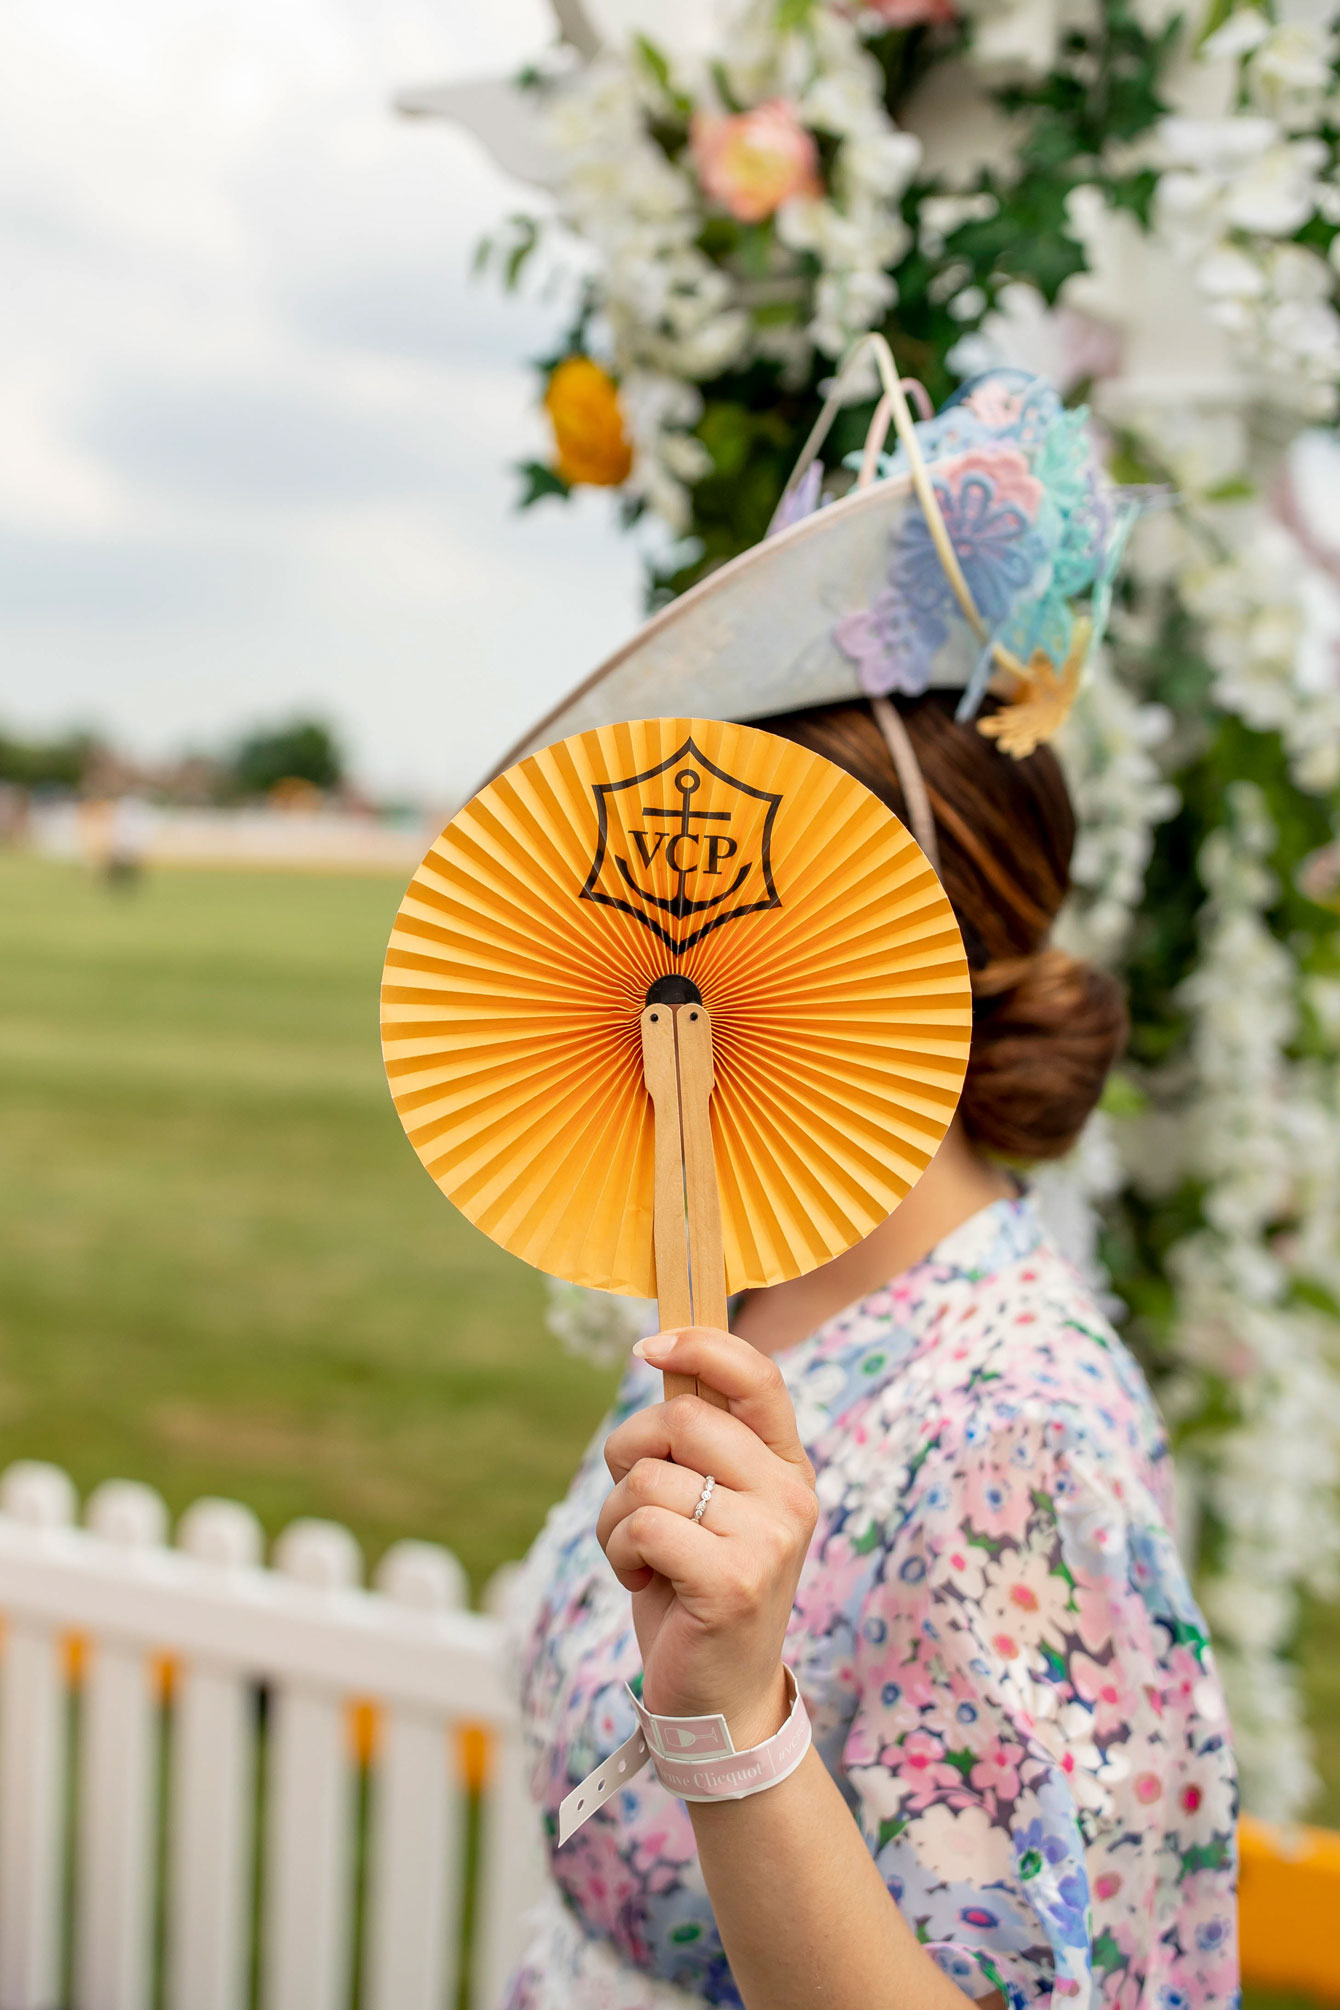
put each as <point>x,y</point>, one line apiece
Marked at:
<point>583,407</point>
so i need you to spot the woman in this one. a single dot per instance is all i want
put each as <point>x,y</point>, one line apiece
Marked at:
<point>942,1498</point>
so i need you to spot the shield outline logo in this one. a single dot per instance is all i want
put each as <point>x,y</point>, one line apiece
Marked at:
<point>603,791</point>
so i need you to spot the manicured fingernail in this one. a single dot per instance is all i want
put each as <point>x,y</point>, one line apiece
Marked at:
<point>657,1348</point>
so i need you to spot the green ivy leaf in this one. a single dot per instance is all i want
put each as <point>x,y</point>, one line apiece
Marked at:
<point>1123,1096</point>
<point>539,481</point>
<point>1235,490</point>
<point>1221,11</point>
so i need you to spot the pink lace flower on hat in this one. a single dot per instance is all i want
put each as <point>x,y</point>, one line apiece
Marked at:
<point>752,162</point>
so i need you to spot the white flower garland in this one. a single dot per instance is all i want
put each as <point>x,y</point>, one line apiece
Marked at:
<point>674,318</point>
<point>1234,189</point>
<point>1108,748</point>
<point>1250,1128</point>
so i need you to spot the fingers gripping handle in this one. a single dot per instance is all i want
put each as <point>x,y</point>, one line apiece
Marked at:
<point>690,1265</point>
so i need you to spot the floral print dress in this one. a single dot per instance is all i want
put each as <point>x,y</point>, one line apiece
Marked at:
<point>1008,1677</point>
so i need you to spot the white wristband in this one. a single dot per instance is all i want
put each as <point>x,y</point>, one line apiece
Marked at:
<point>694,1758</point>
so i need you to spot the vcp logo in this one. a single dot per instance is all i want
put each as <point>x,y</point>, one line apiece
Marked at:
<point>684,848</point>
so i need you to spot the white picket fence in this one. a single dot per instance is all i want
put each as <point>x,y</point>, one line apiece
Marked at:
<point>153,1817</point>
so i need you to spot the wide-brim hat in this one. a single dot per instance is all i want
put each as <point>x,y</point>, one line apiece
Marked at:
<point>963,557</point>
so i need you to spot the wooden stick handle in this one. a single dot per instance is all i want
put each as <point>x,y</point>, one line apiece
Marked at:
<point>669,1226</point>
<point>707,1262</point>
<point>690,1264</point>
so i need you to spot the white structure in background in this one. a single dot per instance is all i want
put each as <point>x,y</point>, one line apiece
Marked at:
<point>205,1624</point>
<point>321,839</point>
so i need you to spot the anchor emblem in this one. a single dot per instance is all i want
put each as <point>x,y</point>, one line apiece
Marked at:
<point>684,848</point>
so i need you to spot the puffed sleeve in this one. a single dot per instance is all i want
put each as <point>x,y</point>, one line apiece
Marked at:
<point>1037,1753</point>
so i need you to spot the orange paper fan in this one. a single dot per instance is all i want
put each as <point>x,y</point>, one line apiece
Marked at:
<point>821,942</point>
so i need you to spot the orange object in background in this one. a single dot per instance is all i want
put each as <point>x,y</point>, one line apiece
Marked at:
<point>1289,1908</point>
<point>470,1745</point>
<point>582,401</point>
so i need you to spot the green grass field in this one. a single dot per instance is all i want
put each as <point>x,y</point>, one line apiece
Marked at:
<point>222,1269</point>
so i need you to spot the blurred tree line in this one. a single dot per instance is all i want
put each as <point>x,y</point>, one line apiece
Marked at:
<point>302,751</point>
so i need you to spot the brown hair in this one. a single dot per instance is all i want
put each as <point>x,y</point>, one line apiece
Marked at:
<point>1046,1026</point>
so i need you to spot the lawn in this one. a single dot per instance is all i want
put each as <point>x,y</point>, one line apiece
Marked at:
<point>222,1269</point>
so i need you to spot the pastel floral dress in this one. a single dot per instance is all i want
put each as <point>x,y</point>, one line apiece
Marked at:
<point>1008,1677</point>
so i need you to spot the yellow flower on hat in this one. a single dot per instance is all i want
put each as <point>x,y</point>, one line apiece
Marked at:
<point>1040,702</point>
<point>583,406</point>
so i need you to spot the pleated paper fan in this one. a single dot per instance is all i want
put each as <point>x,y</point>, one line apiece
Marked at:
<point>821,942</point>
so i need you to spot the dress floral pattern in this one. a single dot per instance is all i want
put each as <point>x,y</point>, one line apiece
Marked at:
<point>1007,1674</point>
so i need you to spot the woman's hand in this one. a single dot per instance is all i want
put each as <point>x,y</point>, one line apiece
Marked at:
<point>711,1599</point>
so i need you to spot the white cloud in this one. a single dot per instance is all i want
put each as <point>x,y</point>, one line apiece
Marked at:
<point>257,421</point>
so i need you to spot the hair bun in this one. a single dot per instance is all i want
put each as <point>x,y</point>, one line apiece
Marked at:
<point>1047,1028</point>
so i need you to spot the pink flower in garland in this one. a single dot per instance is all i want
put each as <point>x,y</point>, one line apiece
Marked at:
<point>753,162</point>
<point>913,13</point>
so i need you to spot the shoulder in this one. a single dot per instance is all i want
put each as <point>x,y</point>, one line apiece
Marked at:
<point>1017,1390</point>
<point>1023,1391</point>
<point>1024,1353</point>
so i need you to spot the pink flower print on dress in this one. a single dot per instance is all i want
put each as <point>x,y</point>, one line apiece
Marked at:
<point>1182,1678</point>
<point>1094,1618</point>
<point>922,1771</point>
<point>962,1564</point>
<point>997,1770</point>
<point>825,1595</point>
<point>610,1887</point>
<point>662,1850</point>
<point>998,1502</point>
<point>1103,1689</point>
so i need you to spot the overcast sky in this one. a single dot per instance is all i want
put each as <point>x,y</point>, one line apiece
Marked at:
<point>256,421</point>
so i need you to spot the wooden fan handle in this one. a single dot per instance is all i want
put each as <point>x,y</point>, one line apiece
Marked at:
<point>677,1065</point>
<point>693,1032</point>
<point>669,1227</point>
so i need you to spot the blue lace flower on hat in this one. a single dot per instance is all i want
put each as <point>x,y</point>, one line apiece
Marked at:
<point>1032,521</point>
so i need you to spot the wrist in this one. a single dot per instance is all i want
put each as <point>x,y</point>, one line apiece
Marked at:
<point>751,1719</point>
<point>763,1717</point>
